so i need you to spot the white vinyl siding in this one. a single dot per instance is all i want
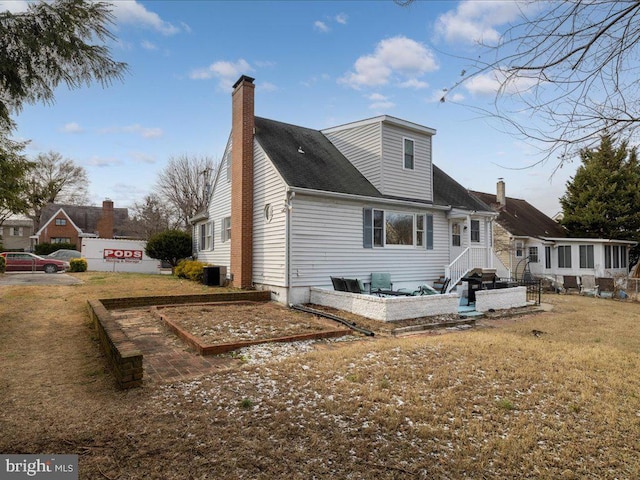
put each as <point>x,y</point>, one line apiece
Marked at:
<point>362,147</point>
<point>326,240</point>
<point>219,208</point>
<point>269,235</point>
<point>397,180</point>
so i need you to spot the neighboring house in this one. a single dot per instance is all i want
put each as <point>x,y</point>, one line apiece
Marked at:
<point>15,233</point>
<point>527,239</point>
<point>291,206</point>
<point>69,223</point>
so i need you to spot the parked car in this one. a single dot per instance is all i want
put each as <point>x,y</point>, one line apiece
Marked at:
<point>64,255</point>
<point>28,262</point>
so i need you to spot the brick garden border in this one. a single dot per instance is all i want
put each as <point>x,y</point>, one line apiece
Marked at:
<point>123,357</point>
<point>218,348</point>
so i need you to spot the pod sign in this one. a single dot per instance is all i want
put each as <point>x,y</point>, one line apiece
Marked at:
<point>118,255</point>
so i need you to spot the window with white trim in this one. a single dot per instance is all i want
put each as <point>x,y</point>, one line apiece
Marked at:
<point>60,240</point>
<point>15,231</point>
<point>519,248</point>
<point>475,231</point>
<point>586,256</point>
<point>564,256</point>
<point>383,228</point>
<point>226,229</point>
<point>533,254</point>
<point>61,222</point>
<point>547,257</point>
<point>408,148</point>
<point>456,238</point>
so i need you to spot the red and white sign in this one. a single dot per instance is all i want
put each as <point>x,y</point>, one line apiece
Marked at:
<point>119,255</point>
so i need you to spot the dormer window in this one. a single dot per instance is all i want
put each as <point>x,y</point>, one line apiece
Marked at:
<point>408,154</point>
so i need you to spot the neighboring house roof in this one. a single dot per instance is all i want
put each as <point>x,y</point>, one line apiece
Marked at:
<point>323,167</point>
<point>57,212</point>
<point>522,219</point>
<point>86,217</point>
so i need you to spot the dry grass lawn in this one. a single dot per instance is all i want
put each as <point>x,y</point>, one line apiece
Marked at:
<point>485,403</point>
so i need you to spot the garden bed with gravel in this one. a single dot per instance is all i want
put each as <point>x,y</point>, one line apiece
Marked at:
<point>219,327</point>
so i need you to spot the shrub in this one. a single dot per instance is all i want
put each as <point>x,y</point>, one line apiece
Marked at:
<point>191,270</point>
<point>47,248</point>
<point>170,246</point>
<point>77,265</point>
<point>2,265</point>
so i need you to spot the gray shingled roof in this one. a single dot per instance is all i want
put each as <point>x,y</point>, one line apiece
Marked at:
<point>446,191</point>
<point>86,217</point>
<point>522,219</point>
<point>323,167</point>
<point>320,167</point>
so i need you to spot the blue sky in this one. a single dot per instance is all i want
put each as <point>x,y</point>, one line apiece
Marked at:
<point>316,64</point>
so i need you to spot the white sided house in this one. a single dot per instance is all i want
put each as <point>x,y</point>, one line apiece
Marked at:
<point>291,206</point>
<point>529,242</point>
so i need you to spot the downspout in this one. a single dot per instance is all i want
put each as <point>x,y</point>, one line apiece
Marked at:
<point>468,230</point>
<point>287,264</point>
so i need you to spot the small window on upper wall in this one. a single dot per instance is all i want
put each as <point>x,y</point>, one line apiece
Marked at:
<point>61,221</point>
<point>408,154</point>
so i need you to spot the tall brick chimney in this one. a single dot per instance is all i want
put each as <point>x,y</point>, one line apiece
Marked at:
<point>105,223</point>
<point>242,129</point>
<point>501,198</point>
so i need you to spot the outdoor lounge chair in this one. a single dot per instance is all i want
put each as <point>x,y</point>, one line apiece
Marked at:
<point>339,285</point>
<point>380,282</point>
<point>353,285</point>
<point>569,282</point>
<point>588,285</point>
<point>606,286</point>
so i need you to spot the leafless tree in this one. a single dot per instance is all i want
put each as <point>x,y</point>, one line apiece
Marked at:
<point>567,74</point>
<point>151,216</point>
<point>184,185</point>
<point>54,179</point>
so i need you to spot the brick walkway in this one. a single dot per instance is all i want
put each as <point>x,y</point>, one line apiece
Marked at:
<point>166,358</point>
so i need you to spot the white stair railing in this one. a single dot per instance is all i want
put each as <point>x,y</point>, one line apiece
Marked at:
<point>470,258</point>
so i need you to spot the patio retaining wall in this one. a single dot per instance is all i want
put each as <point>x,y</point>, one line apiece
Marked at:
<point>387,309</point>
<point>124,358</point>
<point>501,299</point>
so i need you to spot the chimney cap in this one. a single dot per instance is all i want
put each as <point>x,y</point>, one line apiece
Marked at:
<point>243,78</point>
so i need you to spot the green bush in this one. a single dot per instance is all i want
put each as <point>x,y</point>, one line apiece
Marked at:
<point>47,248</point>
<point>2,265</point>
<point>191,270</point>
<point>170,246</point>
<point>77,265</point>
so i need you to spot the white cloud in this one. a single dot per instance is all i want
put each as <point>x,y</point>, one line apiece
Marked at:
<point>144,132</point>
<point>71,127</point>
<point>393,57</point>
<point>147,45</point>
<point>132,12</point>
<point>342,18</point>
<point>491,82</point>
<point>413,83</point>
<point>96,161</point>
<point>476,20</point>
<point>321,26</point>
<point>141,157</point>
<point>267,87</point>
<point>226,72</point>
<point>380,102</point>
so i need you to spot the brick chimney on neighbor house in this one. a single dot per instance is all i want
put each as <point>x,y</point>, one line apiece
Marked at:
<point>501,198</point>
<point>242,130</point>
<point>105,223</point>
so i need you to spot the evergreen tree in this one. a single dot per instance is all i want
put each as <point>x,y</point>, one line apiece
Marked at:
<point>49,44</point>
<point>603,198</point>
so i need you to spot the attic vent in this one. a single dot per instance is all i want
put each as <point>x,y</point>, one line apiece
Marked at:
<point>300,150</point>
